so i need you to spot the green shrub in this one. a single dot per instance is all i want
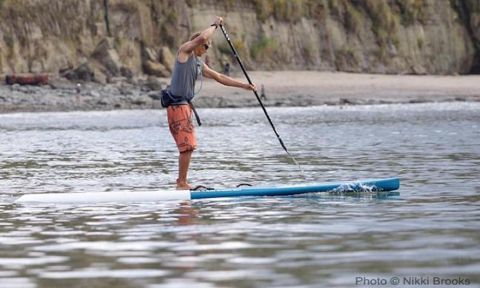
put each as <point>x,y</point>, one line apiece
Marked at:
<point>8,39</point>
<point>345,59</point>
<point>353,19</point>
<point>384,24</point>
<point>411,11</point>
<point>288,10</point>
<point>263,48</point>
<point>314,9</point>
<point>239,45</point>
<point>420,42</point>
<point>334,7</point>
<point>264,9</point>
<point>309,51</point>
<point>224,48</point>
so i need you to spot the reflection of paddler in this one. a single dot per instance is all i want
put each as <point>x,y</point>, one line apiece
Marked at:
<point>186,214</point>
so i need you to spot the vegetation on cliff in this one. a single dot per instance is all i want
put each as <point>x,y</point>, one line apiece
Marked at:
<point>375,36</point>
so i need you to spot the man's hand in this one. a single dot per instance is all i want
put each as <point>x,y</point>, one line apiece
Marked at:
<point>218,21</point>
<point>248,86</point>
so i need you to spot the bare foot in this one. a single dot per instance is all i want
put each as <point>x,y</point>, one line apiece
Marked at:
<point>183,185</point>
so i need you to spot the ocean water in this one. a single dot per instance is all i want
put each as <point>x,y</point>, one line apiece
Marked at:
<point>427,232</point>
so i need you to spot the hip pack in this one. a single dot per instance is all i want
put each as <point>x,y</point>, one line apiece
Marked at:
<point>168,99</point>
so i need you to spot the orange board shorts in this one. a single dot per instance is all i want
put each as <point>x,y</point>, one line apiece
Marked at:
<point>181,127</point>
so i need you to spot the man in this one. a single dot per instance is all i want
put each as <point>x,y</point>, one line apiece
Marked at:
<point>182,87</point>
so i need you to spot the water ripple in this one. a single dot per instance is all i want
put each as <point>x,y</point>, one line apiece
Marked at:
<point>313,240</point>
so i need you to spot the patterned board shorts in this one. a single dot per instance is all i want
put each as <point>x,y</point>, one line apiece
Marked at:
<point>181,127</point>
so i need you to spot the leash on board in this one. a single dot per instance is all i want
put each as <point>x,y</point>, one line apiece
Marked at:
<point>259,100</point>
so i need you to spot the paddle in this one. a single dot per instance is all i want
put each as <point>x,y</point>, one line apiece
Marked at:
<point>256,95</point>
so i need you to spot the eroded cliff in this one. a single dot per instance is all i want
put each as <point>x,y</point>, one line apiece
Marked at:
<point>141,36</point>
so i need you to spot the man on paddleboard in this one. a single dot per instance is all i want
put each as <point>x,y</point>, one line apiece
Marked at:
<point>188,68</point>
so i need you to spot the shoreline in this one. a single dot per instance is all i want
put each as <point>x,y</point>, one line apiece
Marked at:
<point>282,88</point>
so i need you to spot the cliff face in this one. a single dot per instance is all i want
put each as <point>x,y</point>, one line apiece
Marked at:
<point>376,36</point>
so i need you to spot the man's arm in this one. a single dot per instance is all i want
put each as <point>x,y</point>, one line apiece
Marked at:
<point>187,48</point>
<point>225,80</point>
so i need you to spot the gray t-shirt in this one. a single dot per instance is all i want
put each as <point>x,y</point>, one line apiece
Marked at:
<point>184,75</point>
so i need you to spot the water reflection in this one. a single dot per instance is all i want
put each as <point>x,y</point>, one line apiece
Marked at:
<point>431,227</point>
<point>187,215</point>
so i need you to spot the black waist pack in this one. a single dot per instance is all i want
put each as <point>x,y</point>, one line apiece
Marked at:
<point>169,99</point>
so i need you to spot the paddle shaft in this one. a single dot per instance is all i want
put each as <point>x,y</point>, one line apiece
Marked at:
<point>251,83</point>
<point>259,100</point>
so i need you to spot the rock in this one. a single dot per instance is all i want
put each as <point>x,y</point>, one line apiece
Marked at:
<point>83,73</point>
<point>155,95</point>
<point>117,80</point>
<point>102,102</point>
<point>153,83</point>
<point>167,58</point>
<point>149,54</point>
<point>37,66</point>
<point>126,72</point>
<point>418,69</point>
<point>106,55</point>
<point>99,75</point>
<point>94,94</point>
<point>140,101</point>
<point>151,64</point>
<point>25,89</point>
<point>125,91</point>
<point>441,37</point>
<point>60,83</point>
<point>155,69</point>
<point>345,101</point>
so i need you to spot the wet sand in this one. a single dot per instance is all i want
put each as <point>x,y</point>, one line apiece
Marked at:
<point>281,88</point>
<point>302,88</point>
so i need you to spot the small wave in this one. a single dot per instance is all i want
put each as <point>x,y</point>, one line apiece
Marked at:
<point>355,187</point>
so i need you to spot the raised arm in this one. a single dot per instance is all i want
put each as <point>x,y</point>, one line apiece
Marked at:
<point>187,48</point>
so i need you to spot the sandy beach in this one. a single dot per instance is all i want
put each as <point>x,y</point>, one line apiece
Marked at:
<point>302,88</point>
<point>281,88</point>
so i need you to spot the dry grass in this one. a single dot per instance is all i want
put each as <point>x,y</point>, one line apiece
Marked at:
<point>411,11</point>
<point>263,48</point>
<point>289,10</point>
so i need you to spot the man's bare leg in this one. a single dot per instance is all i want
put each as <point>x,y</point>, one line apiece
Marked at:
<point>183,164</point>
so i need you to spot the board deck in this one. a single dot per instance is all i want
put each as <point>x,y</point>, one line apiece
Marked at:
<point>388,184</point>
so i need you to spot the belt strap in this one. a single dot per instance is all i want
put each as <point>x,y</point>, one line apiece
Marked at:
<point>196,114</point>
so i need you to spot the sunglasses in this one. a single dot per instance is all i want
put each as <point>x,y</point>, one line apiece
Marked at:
<point>206,46</point>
